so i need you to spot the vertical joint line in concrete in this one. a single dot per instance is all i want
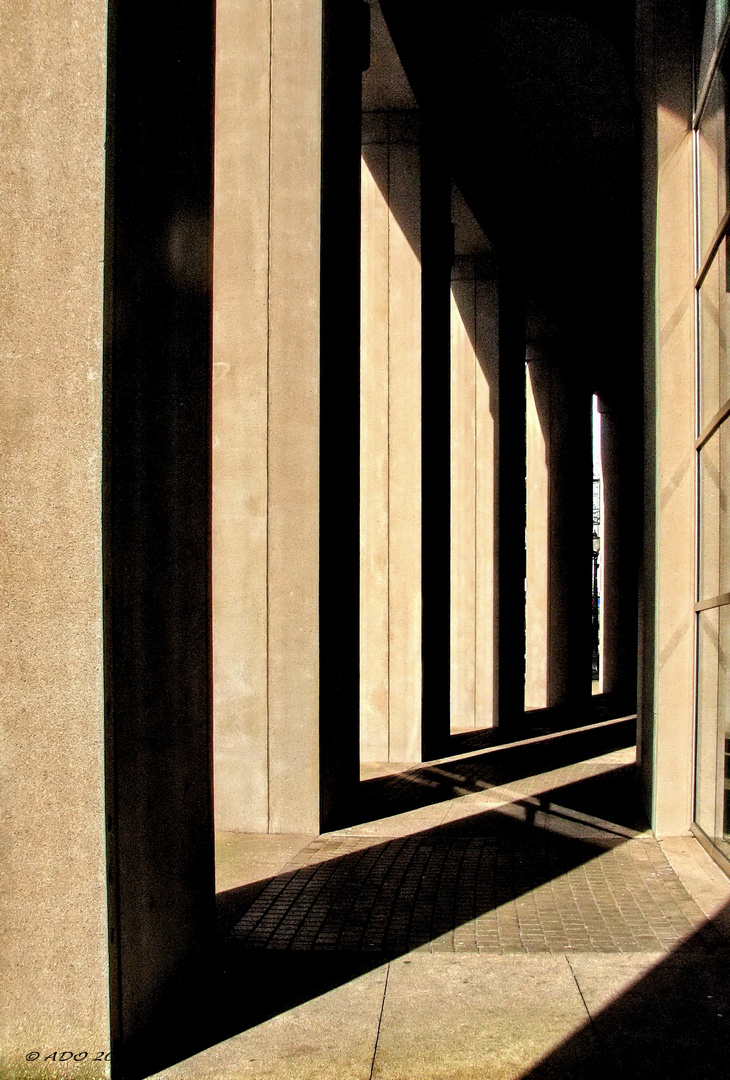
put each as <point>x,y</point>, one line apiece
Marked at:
<point>380,1021</point>
<point>268,421</point>
<point>475,609</point>
<point>575,980</point>
<point>387,442</point>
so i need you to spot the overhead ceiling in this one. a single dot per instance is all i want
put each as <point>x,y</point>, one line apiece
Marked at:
<point>539,118</point>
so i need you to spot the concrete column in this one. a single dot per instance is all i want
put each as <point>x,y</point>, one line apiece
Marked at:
<point>390,440</point>
<point>537,596</point>
<point>240,415</point>
<point>558,535</point>
<point>55,984</point>
<point>404,485</point>
<point>487,418</point>
<point>374,444</point>
<point>463,500</point>
<point>437,245</point>
<point>667,706</point>
<point>473,401</point>
<point>510,530</point>
<point>277,377</point>
<point>293,404</point>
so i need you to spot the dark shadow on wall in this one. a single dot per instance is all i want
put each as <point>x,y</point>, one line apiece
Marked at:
<point>351,913</point>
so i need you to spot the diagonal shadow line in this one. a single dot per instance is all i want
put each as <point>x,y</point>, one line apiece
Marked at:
<point>428,784</point>
<point>436,783</point>
<point>243,986</point>
<point>490,857</point>
<point>673,1021</point>
<point>552,720</point>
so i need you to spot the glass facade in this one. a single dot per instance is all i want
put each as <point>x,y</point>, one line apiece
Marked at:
<point>712,297</point>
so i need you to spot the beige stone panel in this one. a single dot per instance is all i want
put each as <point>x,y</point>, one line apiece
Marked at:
<point>463,504</point>
<point>475,1017</point>
<point>675,478</point>
<point>374,380</point>
<point>486,404</point>
<point>536,599</point>
<point>405,458</point>
<point>252,858</point>
<point>54,988</point>
<point>294,417</point>
<point>240,362</point>
<point>331,1036</point>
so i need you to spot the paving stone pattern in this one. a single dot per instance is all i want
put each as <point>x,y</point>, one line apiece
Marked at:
<point>505,870</point>
<point>468,895</point>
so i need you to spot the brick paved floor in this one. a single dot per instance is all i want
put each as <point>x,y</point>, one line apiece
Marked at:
<point>469,856</point>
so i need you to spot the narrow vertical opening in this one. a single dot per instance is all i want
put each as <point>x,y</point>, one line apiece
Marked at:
<point>597,589</point>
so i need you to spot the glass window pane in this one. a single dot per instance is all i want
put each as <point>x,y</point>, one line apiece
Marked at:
<point>714,538</point>
<point>723,716</point>
<point>715,14</point>
<point>712,158</point>
<point>706,760</point>
<point>709,539</point>
<point>714,367</point>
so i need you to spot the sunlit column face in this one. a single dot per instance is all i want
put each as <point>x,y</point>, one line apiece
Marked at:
<point>463,503</point>
<point>390,484</point>
<point>486,405</point>
<point>404,420</point>
<point>537,530</point>
<point>374,459</point>
<point>474,377</point>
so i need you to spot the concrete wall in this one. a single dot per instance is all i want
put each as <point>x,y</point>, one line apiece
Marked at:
<point>52,873</point>
<point>266,416</point>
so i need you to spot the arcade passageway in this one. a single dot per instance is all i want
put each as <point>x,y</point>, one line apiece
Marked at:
<point>364,458</point>
<point>504,913</point>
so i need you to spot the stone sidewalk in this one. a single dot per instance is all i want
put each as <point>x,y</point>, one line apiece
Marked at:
<point>489,925</point>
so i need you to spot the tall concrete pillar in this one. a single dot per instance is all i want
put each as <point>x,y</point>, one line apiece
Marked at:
<point>538,417</point>
<point>285,433</point>
<point>510,530</point>
<point>666,707</point>
<point>240,416</point>
<point>437,247</point>
<point>390,528</point>
<point>474,397</point>
<point>157,526</point>
<point>54,982</point>
<point>558,534</point>
<point>487,422</point>
<point>463,497</point>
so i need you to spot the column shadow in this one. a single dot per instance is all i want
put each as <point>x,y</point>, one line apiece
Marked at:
<point>298,934</point>
<point>673,1022</point>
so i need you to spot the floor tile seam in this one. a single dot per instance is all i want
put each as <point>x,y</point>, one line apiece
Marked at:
<point>417,850</point>
<point>347,910</point>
